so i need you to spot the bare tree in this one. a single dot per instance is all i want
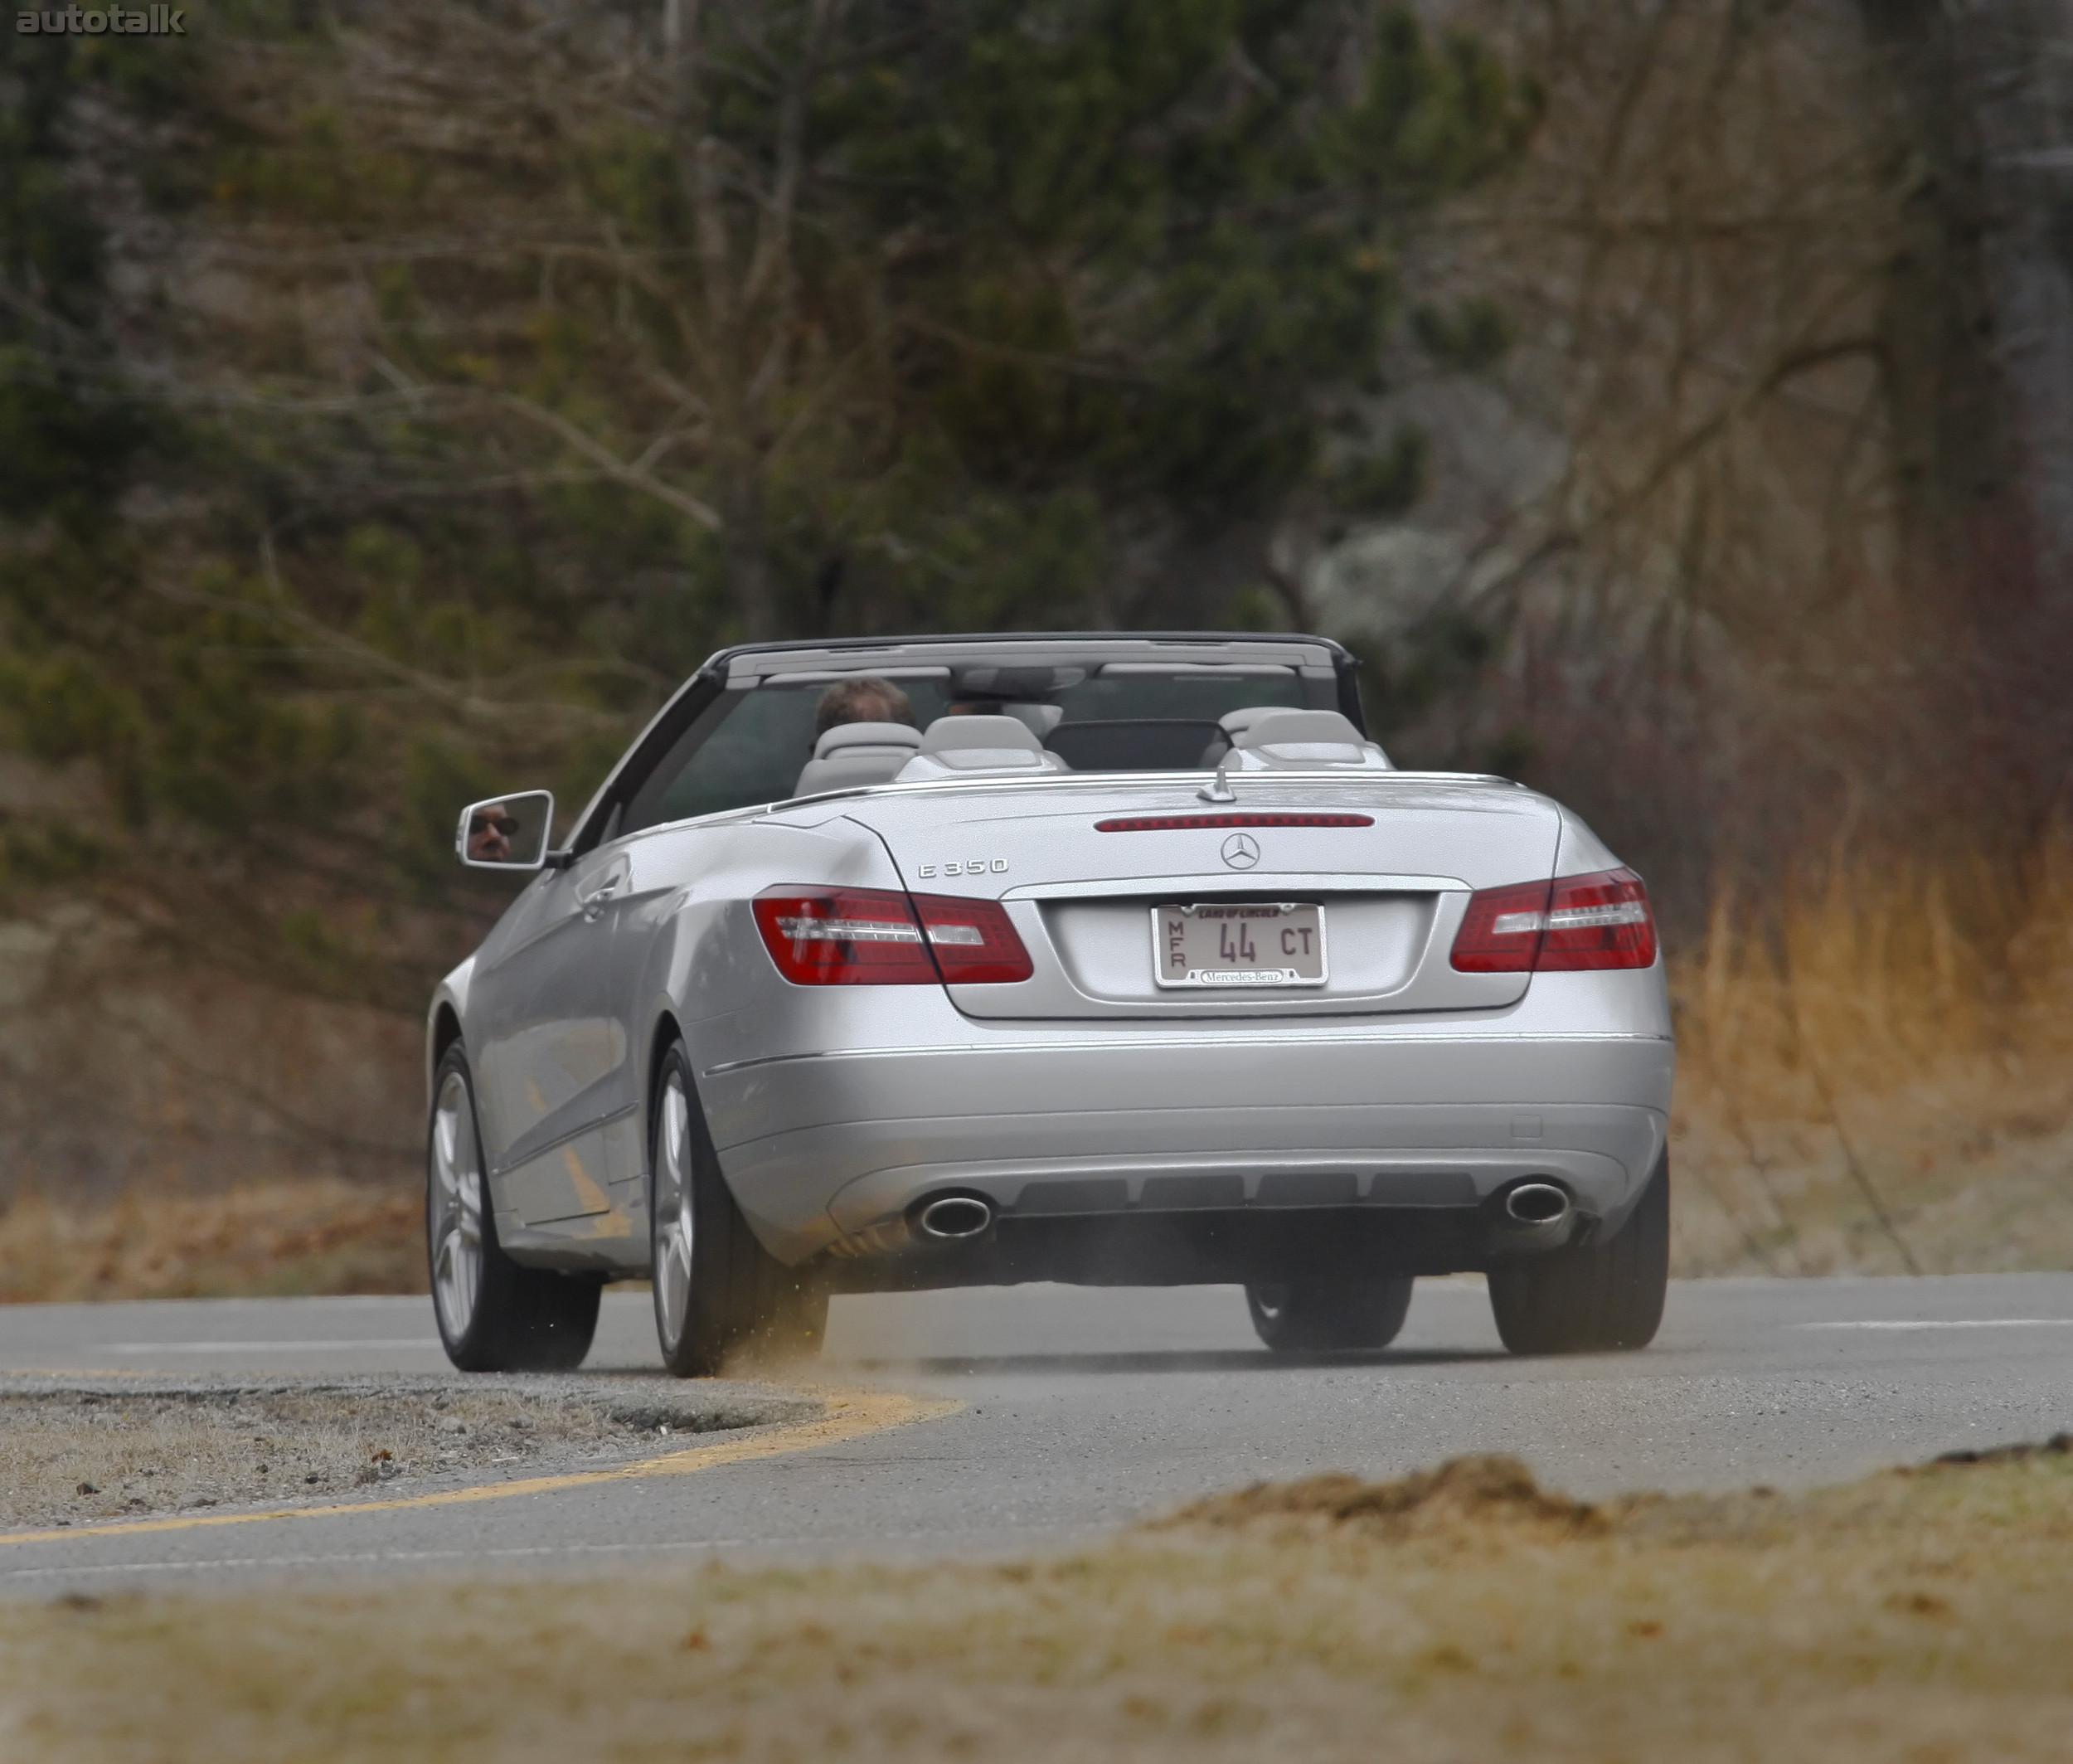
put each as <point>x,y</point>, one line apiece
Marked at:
<point>1958,482</point>
<point>1762,547</point>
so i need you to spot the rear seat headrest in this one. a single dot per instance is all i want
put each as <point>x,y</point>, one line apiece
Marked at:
<point>1277,728</point>
<point>959,734</point>
<point>952,745</point>
<point>1299,739</point>
<point>867,734</point>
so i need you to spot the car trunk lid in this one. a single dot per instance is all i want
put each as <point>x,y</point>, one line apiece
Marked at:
<point>1380,867</point>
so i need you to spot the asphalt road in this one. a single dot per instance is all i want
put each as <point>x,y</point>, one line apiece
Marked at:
<point>1083,1409</point>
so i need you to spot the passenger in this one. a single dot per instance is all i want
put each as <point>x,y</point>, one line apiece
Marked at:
<point>865,699</point>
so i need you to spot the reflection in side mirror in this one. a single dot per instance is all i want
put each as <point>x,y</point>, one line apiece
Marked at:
<point>506,832</point>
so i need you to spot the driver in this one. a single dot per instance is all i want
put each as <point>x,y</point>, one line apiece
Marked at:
<point>490,829</point>
<point>867,698</point>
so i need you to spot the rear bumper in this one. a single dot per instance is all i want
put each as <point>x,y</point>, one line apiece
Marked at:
<point>1085,1141</point>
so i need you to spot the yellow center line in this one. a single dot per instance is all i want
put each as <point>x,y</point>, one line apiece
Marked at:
<point>852,1415</point>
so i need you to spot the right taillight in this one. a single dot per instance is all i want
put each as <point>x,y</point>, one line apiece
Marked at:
<point>882,937</point>
<point>1598,921</point>
<point>1601,920</point>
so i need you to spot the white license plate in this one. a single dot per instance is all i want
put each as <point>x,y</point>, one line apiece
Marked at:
<point>1238,943</point>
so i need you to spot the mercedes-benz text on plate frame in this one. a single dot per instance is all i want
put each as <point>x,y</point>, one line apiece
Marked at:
<point>1238,943</point>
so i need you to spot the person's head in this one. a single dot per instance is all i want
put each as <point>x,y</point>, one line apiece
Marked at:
<point>489,831</point>
<point>866,698</point>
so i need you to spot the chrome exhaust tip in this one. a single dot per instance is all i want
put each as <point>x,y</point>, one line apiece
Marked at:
<point>1537,1203</point>
<point>954,1217</point>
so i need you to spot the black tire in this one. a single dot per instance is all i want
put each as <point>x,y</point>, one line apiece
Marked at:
<point>1328,1316</point>
<point>1602,1298</point>
<point>506,1318</point>
<point>719,1294</point>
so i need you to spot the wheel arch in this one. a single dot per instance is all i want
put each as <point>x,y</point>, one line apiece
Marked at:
<point>446,1030</point>
<point>665,1030</point>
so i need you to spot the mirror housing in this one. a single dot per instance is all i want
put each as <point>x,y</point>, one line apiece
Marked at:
<point>506,833</point>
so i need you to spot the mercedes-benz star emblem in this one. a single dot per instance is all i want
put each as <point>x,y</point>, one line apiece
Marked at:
<point>1241,851</point>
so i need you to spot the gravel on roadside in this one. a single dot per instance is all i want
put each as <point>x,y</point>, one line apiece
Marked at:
<point>75,1450</point>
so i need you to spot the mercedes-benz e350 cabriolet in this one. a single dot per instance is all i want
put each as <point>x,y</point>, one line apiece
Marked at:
<point>1119,960</point>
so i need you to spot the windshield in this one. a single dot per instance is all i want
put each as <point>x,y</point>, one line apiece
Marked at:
<point>752,745</point>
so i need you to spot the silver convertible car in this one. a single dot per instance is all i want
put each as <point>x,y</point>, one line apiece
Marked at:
<point>1121,960</point>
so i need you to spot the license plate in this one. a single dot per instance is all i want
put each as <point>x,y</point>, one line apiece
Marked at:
<point>1238,943</point>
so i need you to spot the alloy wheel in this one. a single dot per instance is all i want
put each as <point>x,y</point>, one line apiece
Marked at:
<point>675,1228</point>
<point>456,1222</point>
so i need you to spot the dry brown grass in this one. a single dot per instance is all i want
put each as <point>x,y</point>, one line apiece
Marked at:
<point>1911,1616</point>
<point>1895,1041</point>
<point>289,1238</point>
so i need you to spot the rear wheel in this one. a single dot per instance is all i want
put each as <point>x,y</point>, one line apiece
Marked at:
<point>494,1314</point>
<point>717,1290</point>
<point>1324,1316</point>
<point>1595,1299</point>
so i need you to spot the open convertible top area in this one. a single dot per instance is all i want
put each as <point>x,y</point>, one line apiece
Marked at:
<point>743,732</point>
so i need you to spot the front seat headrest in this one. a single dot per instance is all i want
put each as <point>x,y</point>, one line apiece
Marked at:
<point>853,755</point>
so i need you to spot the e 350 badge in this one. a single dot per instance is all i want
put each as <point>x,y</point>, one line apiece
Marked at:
<point>969,867</point>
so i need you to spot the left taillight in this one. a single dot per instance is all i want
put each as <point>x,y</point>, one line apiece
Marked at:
<point>844,937</point>
<point>820,936</point>
<point>1573,922</point>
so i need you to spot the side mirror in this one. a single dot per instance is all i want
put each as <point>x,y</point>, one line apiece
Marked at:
<point>506,833</point>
